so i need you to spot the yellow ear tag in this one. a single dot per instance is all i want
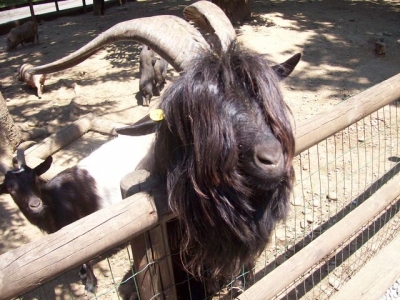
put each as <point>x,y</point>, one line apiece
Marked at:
<point>157,115</point>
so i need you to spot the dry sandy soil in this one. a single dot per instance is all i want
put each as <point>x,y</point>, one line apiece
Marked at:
<point>336,39</point>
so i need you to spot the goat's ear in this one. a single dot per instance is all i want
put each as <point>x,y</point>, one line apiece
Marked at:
<point>44,166</point>
<point>284,69</point>
<point>139,129</point>
<point>146,125</point>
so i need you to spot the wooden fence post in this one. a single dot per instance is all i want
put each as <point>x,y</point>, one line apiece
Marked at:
<point>56,3</point>
<point>84,6</point>
<point>151,252</point>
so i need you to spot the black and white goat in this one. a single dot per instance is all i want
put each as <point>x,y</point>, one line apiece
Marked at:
<point>223,147</point>
<point>74,193</point>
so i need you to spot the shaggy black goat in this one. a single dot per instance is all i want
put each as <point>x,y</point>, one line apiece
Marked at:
<point>224,151</point>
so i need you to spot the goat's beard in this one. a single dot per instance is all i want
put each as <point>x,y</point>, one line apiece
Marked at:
<point>220,229</point>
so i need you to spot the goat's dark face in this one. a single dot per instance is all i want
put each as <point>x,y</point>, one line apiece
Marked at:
<point>24,186</point>
<point>258,153</point>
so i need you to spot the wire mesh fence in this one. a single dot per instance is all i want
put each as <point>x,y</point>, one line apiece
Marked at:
<point>332,179</point>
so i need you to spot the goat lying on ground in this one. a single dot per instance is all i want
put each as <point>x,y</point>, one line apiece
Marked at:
<point>224,145</point>
<point>74,193</point>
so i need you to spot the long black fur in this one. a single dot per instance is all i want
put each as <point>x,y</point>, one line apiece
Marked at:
<point>216,113</point>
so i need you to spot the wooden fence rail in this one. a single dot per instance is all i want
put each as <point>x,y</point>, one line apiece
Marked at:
<point>33,264</point>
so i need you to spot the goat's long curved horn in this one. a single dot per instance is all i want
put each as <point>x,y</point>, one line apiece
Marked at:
<point>171,37</point>
<point>209,17</point>
<point>21,152</point>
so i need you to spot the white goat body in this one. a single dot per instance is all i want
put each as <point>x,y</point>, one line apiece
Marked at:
<point>112,161</point>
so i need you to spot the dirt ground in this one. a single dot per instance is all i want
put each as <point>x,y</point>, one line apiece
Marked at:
<point>336,39</point>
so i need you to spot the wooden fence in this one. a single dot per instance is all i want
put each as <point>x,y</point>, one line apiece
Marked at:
<point>45,259</point>
<point>45,10</point>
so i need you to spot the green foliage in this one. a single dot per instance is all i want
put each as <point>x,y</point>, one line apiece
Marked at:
<point>11,3</point>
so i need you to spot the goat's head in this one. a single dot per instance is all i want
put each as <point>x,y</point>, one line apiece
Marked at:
<point>11,41</point>
<point>24,185</point>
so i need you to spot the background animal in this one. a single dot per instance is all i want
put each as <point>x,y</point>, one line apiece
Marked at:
<point>153,71</point>
<point>26,33</point>
<point>160,73</point>
<point>74,193</point>
<point>223,149</point>
<point>147,77</point>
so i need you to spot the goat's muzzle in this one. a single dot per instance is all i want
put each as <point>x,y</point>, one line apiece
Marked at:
<point>35,205</point>
<point>270,161</point>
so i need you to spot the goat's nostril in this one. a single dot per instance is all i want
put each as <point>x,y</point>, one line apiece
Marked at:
<point>265,160</point>
<point>35,204</point>
<point>268,159</point>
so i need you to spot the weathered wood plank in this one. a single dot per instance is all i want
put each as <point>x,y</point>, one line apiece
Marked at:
<point>150,249</point>
<point>60,139</point>
<point>104,126</point>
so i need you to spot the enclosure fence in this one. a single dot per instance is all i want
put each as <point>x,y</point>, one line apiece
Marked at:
<point>344,209</point>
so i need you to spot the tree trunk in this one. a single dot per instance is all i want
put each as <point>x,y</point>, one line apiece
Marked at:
<point>98,7</point>
<point>10,136</point>
<point>236,10</point>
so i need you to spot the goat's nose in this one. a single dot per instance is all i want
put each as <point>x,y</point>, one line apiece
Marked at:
<point>35,205</point>
<point>269,159</point>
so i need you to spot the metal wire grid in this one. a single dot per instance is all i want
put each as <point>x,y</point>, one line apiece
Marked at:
<point>334,177</point>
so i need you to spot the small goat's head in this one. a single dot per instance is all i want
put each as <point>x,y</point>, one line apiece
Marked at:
<point>11,42</point>
<point>24,185</point>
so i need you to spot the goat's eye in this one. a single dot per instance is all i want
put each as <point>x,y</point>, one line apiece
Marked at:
<point>241,156</point>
